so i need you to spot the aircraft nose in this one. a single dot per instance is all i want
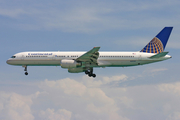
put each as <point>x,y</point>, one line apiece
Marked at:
<point>8,62</point>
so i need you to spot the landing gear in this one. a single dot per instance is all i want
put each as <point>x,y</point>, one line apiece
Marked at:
<point>25,69</point>
<point>87,72</point>
<point>90,73</point>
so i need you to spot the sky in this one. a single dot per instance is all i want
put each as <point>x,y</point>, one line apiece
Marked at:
<point>51,93</point>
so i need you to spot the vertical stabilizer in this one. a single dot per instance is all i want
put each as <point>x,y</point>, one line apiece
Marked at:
<point>158,43</point>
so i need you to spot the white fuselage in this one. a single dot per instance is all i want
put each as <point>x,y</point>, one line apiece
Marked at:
<point>105,59</point>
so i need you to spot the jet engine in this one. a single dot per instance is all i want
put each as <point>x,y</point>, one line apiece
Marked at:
<point>70,64</point>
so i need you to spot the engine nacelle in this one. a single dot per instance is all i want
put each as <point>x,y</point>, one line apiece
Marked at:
<point>75,70</point>
<point>69,64</point>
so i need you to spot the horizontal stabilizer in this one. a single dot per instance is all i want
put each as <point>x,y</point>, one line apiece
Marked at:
<point>162,54</point>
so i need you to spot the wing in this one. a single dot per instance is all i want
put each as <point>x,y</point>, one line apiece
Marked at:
<point>90,56</point>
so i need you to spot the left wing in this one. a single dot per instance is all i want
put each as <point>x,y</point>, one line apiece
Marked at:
<point>90,56</point>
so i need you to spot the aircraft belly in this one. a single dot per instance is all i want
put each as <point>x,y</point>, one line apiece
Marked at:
<point>122,63</point>
<point>36,62</point>
<point>147,61</point>
<point>45,62</point>
<point>117,63</point>
<point>125,62</point>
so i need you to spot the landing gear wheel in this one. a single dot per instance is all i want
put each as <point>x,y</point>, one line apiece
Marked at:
<point>26,73</point>
<point>86,72</point>
<point>94,75</point>
<point>89,75</point>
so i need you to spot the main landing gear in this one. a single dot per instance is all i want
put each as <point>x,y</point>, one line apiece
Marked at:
<point>25,69</point>
<point>90,73</point>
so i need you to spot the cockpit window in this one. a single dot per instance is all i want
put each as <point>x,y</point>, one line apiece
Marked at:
<point>13,57</point>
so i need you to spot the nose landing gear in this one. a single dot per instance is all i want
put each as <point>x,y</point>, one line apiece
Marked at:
<point>25,69</point>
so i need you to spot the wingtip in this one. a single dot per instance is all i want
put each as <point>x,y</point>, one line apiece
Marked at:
<point>96,47</point>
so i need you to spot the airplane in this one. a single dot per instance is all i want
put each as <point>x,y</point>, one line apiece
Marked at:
<point>77,62</point>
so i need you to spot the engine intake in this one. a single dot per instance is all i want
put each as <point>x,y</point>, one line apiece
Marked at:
<point>70,64</point>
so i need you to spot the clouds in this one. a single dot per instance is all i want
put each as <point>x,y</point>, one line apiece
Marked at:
<point>174,116</point>
<point>15,106</point>
<point>68,86</point>
<point>89,82</point>
<point>71,99</point>
<point>50,114</point>
<point>117,21</point>
<point>158,70</point>
<point>88,16</point>
<point>116,103</point>
<point>171,88</point>
<point>92,100</point>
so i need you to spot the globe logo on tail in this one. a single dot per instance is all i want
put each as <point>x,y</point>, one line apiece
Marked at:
<point>154,46</point>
